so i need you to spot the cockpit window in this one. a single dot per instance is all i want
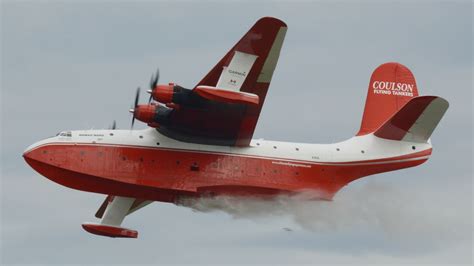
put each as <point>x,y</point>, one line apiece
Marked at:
<point>65,134</point>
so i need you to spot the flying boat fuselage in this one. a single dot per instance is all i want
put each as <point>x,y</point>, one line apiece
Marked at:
<point>146,164</point>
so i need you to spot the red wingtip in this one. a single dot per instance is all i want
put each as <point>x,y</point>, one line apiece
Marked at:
<point>271,20</point>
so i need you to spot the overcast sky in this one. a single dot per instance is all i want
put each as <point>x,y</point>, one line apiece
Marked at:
<point>70,65</point>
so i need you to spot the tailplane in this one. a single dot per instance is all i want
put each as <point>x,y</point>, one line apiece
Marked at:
<point>415,121</point>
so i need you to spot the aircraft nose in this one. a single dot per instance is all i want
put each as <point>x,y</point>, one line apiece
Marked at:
<point>27,156</point>
<point>29,153</point>
<point>33,151</point>
<point>38,157</point>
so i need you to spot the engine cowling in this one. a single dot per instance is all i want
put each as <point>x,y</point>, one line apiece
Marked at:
<point>145,112</point>
<point>173,95</point>
<point>163,93</point>
<point>152,114</point>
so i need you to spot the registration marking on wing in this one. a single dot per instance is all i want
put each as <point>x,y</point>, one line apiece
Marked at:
<point>234,75</point>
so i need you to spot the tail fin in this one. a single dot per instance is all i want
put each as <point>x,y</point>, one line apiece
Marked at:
<point>415,121</point>
<point>391,86</point>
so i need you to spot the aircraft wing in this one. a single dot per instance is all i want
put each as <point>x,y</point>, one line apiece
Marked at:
<point>228,100</point>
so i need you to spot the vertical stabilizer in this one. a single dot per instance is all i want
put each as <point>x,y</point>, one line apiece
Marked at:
<point>391,86</point>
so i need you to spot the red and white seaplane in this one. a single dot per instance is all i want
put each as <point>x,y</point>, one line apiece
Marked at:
<point>199,141</point>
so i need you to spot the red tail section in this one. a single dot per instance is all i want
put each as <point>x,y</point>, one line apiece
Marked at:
<point>391,86</point>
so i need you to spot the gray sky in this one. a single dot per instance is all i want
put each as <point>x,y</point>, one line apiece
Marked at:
<point>70,65</point>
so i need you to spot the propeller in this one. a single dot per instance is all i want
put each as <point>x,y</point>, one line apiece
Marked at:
<point>137,96</point>
<point>114,126</point>
<point>153,82</point>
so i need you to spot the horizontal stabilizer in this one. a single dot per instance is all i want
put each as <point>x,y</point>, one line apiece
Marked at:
<point>415,121</point>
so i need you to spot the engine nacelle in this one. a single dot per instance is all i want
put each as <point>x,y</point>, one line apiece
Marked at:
<point>145,112</point>
<point>173,95</point>
<point>163,93</point>
<point>152,114</point>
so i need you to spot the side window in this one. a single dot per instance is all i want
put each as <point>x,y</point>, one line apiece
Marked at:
<point>65,134</point>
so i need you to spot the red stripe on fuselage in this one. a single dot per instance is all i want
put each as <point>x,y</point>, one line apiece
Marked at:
<point>415,155</point>
<point>161,174</point>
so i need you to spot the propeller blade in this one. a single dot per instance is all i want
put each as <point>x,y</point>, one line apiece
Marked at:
<point>137,96</point>
<point>155,81</point>
<point>132,110</point>
<point>113,126</point>
<point>151,80</point>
